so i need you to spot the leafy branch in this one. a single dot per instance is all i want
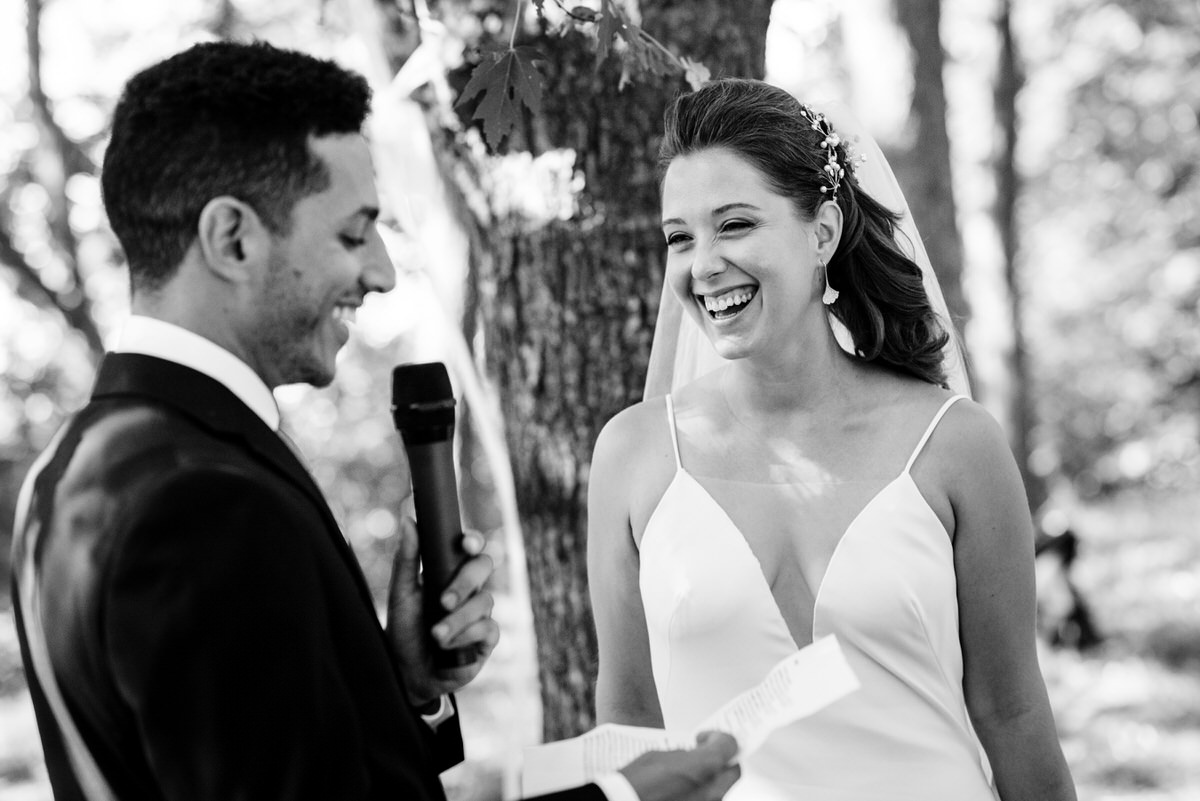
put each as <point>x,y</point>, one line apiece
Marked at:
<point>507,80</point>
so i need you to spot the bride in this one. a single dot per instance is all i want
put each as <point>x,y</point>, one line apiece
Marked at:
<point>807,462</point>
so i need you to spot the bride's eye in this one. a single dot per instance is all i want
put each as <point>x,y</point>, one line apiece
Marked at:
<point>677,238</point>
<point>736,226</point>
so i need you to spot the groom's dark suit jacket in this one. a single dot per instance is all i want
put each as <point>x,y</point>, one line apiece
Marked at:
<point>209,626</point>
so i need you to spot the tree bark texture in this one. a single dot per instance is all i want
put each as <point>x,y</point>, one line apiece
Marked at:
<point>568,310</point>
<point>925,168</point>
<point>1009,80</point>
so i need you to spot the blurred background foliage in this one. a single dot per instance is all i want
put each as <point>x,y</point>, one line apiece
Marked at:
<point>1113,259</point>
<point>1080,279</point>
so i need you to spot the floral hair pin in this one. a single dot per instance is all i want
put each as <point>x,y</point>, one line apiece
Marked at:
<point>834,169</point>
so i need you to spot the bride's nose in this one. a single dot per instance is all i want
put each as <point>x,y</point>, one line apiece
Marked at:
<point>706,263</point>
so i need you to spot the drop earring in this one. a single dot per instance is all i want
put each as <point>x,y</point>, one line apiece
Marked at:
<point>831,295</point>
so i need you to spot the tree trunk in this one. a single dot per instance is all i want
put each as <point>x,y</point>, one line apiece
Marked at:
<point>568,310</point>
<point>925,168</point>
<point>1009,80</point>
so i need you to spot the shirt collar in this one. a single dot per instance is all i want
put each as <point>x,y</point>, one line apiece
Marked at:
<point>152,337</point>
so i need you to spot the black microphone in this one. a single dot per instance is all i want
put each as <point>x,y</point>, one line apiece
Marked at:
<point>423,409</point>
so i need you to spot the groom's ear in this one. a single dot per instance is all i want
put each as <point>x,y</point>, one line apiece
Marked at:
<point>828,229</point>
<point>233,238</point>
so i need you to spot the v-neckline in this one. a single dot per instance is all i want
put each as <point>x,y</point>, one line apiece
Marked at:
<point>904,474</point>
<point>766,585</point>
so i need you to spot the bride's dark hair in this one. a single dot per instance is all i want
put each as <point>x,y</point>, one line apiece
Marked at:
<point>883,302</point>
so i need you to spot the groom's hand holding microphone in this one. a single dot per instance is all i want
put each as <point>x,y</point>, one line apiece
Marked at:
<point>439,614</point>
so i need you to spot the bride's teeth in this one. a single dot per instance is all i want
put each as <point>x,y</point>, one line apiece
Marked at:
<point>737,297</point>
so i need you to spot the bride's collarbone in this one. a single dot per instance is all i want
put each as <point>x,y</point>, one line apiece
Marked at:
<point>858,438</point>
<point>801,449</point>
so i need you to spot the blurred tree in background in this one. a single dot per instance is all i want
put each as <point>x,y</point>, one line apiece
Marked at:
<point>1112,264</point>
<point>1010,78</point>
<point>923,162</point>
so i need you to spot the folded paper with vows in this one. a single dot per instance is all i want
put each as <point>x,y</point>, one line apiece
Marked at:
<point>800,685</point>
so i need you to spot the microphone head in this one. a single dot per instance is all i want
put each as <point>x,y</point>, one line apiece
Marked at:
<point>423,399</point>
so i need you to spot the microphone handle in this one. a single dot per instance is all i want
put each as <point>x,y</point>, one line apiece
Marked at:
<point>439,530</point>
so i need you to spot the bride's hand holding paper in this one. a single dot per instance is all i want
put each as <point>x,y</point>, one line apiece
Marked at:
<point>800,685</point>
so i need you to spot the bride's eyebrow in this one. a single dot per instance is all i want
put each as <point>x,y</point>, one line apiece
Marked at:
<point>717,212</point>
<point>728,207</point>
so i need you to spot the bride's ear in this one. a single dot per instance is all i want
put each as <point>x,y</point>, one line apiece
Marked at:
<point>828,229</point>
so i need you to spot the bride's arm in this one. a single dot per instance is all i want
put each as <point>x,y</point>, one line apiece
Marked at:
<point>993,559</point>
<point>625,690</point>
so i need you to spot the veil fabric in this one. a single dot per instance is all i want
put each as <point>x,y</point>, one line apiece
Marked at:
<point>680,352</point>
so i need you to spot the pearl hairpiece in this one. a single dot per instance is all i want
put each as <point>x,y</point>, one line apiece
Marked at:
<point>834,169</point>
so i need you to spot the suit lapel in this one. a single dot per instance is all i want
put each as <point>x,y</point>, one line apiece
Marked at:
<point>204,400</point>
<point>214,407</point>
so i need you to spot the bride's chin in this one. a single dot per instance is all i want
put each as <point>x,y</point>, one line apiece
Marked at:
<point>729,350</point>
<point>726,346</point>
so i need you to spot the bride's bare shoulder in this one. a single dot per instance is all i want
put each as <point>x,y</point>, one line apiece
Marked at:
<point>635,428</point>
<point>635,441</point>
<point>968,450</point>
<point>645,427</point>
<point>634,460</point>
<point>971,436</point>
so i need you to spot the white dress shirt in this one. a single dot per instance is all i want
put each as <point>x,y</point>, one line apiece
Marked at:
<point>152,337</point>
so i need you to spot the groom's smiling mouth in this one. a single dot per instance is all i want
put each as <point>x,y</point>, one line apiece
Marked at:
<point>728,304</point>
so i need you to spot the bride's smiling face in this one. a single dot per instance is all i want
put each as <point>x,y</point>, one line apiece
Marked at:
<point>740,257</point>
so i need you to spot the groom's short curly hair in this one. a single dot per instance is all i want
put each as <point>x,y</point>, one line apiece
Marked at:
<point>220,118</point>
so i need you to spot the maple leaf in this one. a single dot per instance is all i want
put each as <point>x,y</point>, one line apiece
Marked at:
<point>505,80</point>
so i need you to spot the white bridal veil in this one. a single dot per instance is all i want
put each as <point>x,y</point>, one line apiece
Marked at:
<point>681,352</point>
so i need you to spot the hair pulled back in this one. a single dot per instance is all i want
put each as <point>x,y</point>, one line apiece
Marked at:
<point>883,302</point>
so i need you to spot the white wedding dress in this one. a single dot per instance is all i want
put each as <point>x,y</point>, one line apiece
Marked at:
<point>888,594</point>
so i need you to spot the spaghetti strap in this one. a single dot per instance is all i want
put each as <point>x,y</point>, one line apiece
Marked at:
<point>674,436</point>
<point>928,431</point>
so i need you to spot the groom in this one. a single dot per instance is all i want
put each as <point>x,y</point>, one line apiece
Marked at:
<point>192,622</point>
